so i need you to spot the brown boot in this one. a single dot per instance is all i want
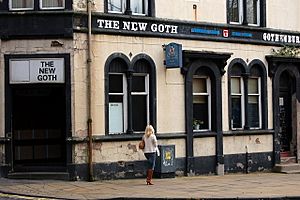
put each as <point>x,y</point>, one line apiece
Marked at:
<point>149,176</point>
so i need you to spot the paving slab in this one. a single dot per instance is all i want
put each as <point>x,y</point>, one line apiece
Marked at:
<point>231,186</point>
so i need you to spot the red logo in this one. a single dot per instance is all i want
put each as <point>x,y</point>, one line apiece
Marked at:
<point>225,33</point>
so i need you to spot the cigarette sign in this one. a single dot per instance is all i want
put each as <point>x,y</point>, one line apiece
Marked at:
<point>48,70</point>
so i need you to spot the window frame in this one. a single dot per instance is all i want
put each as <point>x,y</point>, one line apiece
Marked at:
<point>141,64</point>
<point>258,6</point>
<point>208,95</point>
<point>19,9</point>
<point>259,88</point>
<point>125,102</point>
<point>242,10</point>
<point>242,97</point>
<point>149,9</point>
<point>117,12</point>
<point>145,7</point>
<point>145,93</point>
<point>240,13</point>
<point>255,69</point>
<point>36,5</point>
<point>52,8</point>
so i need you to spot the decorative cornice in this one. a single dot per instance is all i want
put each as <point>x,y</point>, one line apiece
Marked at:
<point>275,61</point>
<point>219,58</point>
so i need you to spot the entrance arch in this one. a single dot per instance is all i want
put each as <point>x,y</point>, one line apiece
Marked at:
<point>286,112</point>
<point>285,75</point>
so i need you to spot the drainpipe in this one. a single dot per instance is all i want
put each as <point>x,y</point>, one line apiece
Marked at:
<point>89,91</point>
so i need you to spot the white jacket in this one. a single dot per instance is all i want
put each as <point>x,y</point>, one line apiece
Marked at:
<point>150,144</point>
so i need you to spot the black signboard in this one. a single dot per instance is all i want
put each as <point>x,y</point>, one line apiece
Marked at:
<point>173,52</point>
<point>164,28</point>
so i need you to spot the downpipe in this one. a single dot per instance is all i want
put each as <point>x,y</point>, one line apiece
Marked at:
<point>89,91</point>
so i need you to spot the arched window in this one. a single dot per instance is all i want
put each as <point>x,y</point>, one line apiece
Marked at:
<point>247,99</point>
<point>237,95</point>
<point>201,102</point>
<point>131,94</point>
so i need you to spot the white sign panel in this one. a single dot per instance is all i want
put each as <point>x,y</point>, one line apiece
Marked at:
<point>48,70</point>
<point>115,117</point>
<point>19,71</point>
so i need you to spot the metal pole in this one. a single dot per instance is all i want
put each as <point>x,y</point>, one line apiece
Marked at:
<point>89,91</point>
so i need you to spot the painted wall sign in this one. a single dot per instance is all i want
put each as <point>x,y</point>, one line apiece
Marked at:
<point>48,70</point>
<point>173,53</point>
<point>281,38</point>
<point>150,27</point>
<point>136,26</point>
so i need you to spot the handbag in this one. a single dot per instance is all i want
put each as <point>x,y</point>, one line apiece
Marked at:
<point>142,144</point>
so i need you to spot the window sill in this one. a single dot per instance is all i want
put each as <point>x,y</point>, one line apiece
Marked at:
<point>249,132</point>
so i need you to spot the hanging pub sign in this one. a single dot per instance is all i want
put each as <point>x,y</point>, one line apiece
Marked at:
<point>173,54</point>
<point>47,70</point>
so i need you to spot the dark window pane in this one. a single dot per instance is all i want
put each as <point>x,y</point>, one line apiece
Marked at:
<point>115,83</point>
<point>52,4</point>
<point>16,4</point>
<point>236,112</point>
<point>139,6</point>
<point>138,84</point>
<point>115,98</point>
<point>252,11</point>
<point>116,5</point>
<point>253,112</point>
<point>233,9</point>
<point>200,112</point>
<point>139,112</point>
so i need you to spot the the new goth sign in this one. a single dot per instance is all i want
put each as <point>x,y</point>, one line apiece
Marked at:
<point>139,26</point>
<point>48,70</point>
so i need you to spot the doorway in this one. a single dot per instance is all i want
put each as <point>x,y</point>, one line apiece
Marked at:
<point>38,124</point>
<point>285,134</point>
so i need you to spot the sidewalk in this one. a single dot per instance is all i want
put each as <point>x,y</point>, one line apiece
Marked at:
<point>241,186</point>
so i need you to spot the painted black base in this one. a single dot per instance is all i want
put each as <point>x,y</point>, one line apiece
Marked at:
<point>205,165</point>
<point>137,169</point>
<point>245,163</point>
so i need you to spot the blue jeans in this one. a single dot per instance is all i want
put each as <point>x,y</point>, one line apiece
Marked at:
<point>151,157</point>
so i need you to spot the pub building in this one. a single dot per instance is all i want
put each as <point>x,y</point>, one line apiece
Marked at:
<point>80,80</point>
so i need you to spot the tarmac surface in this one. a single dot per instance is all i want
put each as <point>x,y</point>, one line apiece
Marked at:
<point>233,186</point>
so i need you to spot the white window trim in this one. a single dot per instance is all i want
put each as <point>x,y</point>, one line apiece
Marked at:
<point>17,9</point>
<point>117,12</point>
<point>259,102</point>
<point>124,94</point>
<point>208,94</point>
<point>146,93</point>
<point>52,8</point>
<point>241,13</point>
<point>141,14</point>
<point>242,95</point>
<point>258,14</point>
<point>125,117</point>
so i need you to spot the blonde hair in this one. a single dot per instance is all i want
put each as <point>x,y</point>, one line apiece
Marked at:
<point>149,130</point>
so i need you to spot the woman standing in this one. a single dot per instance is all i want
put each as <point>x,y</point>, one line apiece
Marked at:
<point>150,151</point>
